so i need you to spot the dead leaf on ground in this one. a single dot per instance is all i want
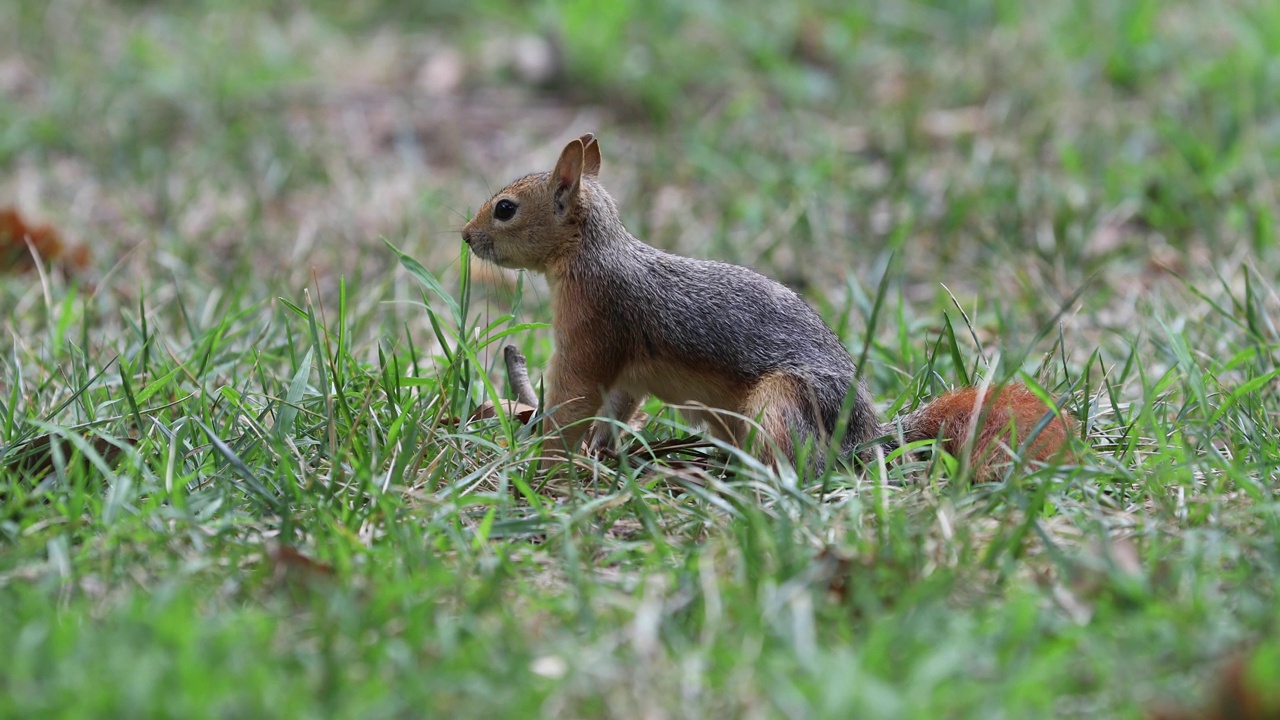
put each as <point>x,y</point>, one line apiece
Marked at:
<point>15,252</point>
<point>297,574</point>
<point>287,561</point>
<point>511,408</point>
<point>1237,697</point>
<point>34,457</point>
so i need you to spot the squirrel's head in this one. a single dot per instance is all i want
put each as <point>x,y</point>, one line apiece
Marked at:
<point>538,218</point>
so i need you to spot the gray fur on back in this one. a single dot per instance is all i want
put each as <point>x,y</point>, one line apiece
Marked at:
<point>716,315</point>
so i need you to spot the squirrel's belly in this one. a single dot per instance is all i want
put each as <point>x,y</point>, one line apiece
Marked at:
<point>678,384</point>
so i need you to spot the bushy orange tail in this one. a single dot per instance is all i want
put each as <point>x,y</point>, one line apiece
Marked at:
<point>1007,418</point>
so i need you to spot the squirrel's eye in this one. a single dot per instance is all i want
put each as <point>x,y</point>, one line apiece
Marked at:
<point>504,210</point>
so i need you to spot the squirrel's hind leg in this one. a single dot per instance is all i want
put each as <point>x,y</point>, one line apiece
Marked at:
<point>620,406</point>
<point>782,406</point>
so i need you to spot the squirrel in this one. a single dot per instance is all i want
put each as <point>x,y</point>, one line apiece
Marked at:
<point>734,349</point>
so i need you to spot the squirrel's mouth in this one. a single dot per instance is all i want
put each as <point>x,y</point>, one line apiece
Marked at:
<point>481,246</point>
<point>484,251</point>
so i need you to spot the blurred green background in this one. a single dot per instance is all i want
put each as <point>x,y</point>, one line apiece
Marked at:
<point>805,138</point>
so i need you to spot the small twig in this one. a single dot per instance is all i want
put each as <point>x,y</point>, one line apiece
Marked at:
<point>518,375</point>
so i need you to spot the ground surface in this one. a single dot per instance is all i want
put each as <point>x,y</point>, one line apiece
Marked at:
<point>256,501</point>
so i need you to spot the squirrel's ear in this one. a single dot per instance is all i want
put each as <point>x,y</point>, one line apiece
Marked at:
<point>567,177</point>
<point>590,155</point>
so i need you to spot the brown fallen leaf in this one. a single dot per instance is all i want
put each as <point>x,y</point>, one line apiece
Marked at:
<point>1237,697</point>
<point>512,408</point>
<point>15,253</point>
<point>34,457</point>
<point>296,573</point>
<point>522,409</point>
<point>487,410</point>
<point>287,560</point>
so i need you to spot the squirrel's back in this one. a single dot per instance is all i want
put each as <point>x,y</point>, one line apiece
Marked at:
<point>711,319</point>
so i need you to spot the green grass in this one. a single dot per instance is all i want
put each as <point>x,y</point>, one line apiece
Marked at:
<point>1080,194</point>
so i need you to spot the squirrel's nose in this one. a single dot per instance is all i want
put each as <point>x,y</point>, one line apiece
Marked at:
<point>466,236</point>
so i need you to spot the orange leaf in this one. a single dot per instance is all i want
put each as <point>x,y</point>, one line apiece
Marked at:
<point>15,254</point>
